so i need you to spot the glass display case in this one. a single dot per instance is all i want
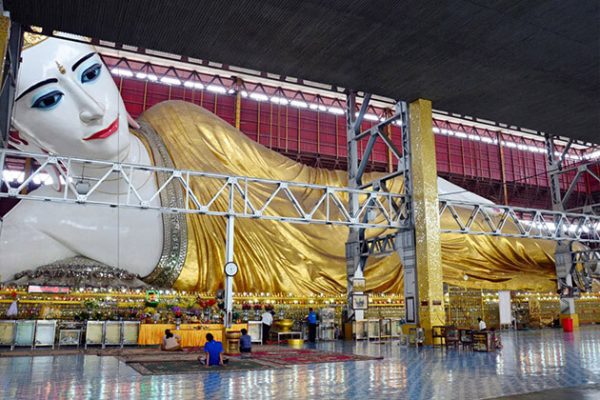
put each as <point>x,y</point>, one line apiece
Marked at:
<point>45,333</point>
<point>112,333</point>
<point>94,333</point>
<point>8,330</point>
<point>360,330</point>
<point>386,328</point>
<point>69,337</point>
<point>255,331</point>
<point>326,331</point>
<point>396,328</point>
<point>373,329</point>
<point>131,332</point>
<point>25,333</point>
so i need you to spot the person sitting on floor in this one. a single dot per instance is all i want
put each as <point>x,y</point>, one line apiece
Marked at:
<point>245,342</point>
<point>497,339</point>
<point>171,342</point>
<point>213,350</point>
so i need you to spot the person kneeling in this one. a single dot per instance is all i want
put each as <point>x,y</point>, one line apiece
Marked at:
<point>213,350</point>
<point>171,342</point>
<point>245,344</point>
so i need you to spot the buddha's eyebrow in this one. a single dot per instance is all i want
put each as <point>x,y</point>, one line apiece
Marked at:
<point>37,85</point>
<point>82,59</point>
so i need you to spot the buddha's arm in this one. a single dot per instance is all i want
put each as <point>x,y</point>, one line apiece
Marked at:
<point>310,258</point>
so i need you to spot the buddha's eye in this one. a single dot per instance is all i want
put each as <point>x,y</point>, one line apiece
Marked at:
<point>91,73</point>
<point>48,100</point>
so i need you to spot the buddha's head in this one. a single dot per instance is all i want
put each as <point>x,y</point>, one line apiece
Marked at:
<point>67,103</point>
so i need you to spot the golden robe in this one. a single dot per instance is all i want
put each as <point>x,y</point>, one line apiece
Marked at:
<point>302,259</point>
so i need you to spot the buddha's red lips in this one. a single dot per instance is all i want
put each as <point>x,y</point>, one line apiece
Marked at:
<point>104,133</point>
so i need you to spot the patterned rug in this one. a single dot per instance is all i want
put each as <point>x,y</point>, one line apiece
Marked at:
<point>183,367</point>
<point>306,356</point>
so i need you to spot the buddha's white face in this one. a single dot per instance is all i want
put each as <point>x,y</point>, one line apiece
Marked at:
<point>68,104</point>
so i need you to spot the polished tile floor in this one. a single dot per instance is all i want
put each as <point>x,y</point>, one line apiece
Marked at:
<point>529,362</point>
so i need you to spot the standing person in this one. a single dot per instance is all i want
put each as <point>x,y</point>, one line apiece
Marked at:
<point>213,350</point>
<point>312,325</point>
<point>482,325</point>
<point>267,321</point>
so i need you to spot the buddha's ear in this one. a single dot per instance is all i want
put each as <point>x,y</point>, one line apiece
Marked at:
<point>132,123</point>
<point>21,139</point>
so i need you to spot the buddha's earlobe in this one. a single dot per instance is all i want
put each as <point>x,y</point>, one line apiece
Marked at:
<point>22,140</point>
<point>132,122</point>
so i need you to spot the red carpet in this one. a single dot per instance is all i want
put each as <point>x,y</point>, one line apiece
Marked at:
<point>306,356</point>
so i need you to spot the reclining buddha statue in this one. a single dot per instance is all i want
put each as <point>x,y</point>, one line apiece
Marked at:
<point>68,104</point>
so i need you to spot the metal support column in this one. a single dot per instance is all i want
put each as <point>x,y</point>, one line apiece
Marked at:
<point>229,236</point>
<point>359,247</point>
<point>562,254</point>
<point>10,51</point>
<point>355,261</point>
<point>554,166</point>
<point>405,240</point>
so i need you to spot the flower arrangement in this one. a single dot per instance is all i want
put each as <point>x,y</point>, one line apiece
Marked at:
<point>246,306</point>
<point>269,307</point>
<point>91,304</point>
<point>258,307</point>
<point>177,311</point>
<point>195,311</point>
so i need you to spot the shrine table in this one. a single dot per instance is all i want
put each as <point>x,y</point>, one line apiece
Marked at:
<point>192,335</point>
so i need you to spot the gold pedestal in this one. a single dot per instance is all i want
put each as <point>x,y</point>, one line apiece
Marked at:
<point>284,325</point>
<point>296,343</point>
<point>231,342</point>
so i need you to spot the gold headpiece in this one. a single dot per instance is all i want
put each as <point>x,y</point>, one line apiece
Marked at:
<point>60,67</point>
<point>31,39</point>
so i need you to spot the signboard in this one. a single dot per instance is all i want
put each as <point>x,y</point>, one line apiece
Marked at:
<point>504,306</point>
<point>359,285</point>
<point>360,302</point>
<point>152,298</point>
<point>47,289</point>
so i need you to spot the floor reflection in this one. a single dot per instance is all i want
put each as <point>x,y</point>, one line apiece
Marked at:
<point>530,361</point>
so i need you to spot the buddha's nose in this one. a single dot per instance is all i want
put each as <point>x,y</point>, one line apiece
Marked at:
<point>91,112</point>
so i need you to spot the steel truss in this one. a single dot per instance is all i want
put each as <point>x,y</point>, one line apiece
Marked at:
<point>581,171</point>
<point>379,246</point>
<point>358,247</point>
<point>506,221</point>
<point>215,194</point>
<point>518,222</point>
<point>575,270</point>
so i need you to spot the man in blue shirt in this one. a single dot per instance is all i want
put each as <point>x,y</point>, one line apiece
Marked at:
<point>213,350</point>
<point>312,325</point>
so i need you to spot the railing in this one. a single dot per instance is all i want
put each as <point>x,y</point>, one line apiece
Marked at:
<point>207,193</point>
<point>286,201</point>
